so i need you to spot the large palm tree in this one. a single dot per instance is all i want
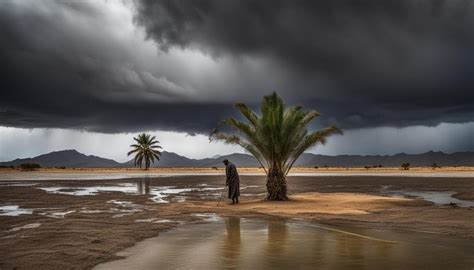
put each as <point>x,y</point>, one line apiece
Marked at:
<point>145,150</point>
<point>276,138</point>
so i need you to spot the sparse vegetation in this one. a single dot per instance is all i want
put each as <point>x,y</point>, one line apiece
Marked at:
<point>405,166</point>
<point>276,138</point>
<point>373,166</point>
<point>29,166</point>
<point>434,166</point>
<point>145,150</point>
<point>215,168</point>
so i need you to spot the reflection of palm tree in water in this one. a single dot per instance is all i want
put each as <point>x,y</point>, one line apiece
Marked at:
<point>231,245</point>
<point>143,186</point>
<point>276,243</point>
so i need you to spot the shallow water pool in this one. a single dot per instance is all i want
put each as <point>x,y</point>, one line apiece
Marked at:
<point>437,197</point>
<point>239,243</point>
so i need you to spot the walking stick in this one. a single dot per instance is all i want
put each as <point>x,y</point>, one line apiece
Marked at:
<point>220,199</point>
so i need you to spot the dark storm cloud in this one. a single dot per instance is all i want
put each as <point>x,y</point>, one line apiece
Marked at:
<point>384,62</point>
<point>361,63</point>
<point>55,74</point>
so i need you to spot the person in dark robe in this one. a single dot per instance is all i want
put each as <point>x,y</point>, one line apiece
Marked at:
<point>232,181</point>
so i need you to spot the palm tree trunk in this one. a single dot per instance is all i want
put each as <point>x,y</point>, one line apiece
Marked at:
<point>276,185</point>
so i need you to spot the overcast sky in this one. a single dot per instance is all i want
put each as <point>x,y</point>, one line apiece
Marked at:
<point>397,76</point>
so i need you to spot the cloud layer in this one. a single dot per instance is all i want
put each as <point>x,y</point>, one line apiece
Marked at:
<point>180,65</point>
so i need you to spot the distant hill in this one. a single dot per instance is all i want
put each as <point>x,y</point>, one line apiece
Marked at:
<point>169,159</point>
<point>425,159</point>
<point>67,158</point>
<point>72,158</point>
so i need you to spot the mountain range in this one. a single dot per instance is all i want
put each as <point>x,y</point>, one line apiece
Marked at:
<point>72,158</point>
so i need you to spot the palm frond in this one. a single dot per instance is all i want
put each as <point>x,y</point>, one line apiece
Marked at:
<point>145,150</point>
<point>277,137</point>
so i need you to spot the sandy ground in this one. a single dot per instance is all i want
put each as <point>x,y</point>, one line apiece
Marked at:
<point>77,232</point>
<point>252,170</point>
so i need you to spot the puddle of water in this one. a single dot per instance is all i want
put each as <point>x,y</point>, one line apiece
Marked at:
<point>155,220</point>
<point>437,197</point>
<point>252,186</point>
<point>211,189</point>
<point>158,193</point>
<point>275,244</point>
<point>208,217</point>
<point>17,184</point>
<point>85,211</point>
<point>39,176</point>
<point>147,220</point>
<point>127,208</point>
<point>179,199</point>
<point>130,210</point>
<point>57,214</point>
<point>255,194</point>
<point>165,221</point>
<point>14,210</point>
<point>27,226</point>
<point>122,203</point>
<point>83,191</point>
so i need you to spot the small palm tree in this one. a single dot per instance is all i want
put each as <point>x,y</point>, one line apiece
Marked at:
<point>276,138</point>
<point>146,149</point>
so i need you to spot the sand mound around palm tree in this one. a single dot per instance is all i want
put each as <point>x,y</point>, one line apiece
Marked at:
<point>328,203</point>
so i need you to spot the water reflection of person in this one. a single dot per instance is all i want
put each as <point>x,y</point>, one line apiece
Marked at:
<point>276,238</point>
<point>232,243</point>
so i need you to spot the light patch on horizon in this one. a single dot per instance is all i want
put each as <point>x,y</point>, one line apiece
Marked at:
<point>446,137</point>
<point>24,143</point>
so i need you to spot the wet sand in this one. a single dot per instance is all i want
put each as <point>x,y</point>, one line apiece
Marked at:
<point>67,231</point>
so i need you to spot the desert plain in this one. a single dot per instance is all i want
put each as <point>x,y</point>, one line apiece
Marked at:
<point>77,224</point>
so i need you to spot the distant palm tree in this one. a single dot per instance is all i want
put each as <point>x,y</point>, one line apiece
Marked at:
<point>145,150</point>
<point>276,138</point>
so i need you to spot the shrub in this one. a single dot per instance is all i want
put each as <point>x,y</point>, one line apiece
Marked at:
<point>405,166</point>
<point>29,166</point>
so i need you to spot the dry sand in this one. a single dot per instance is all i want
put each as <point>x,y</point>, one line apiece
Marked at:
<point>94,228</point>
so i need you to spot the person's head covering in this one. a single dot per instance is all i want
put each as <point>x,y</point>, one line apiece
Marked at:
<point>225,161</point>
